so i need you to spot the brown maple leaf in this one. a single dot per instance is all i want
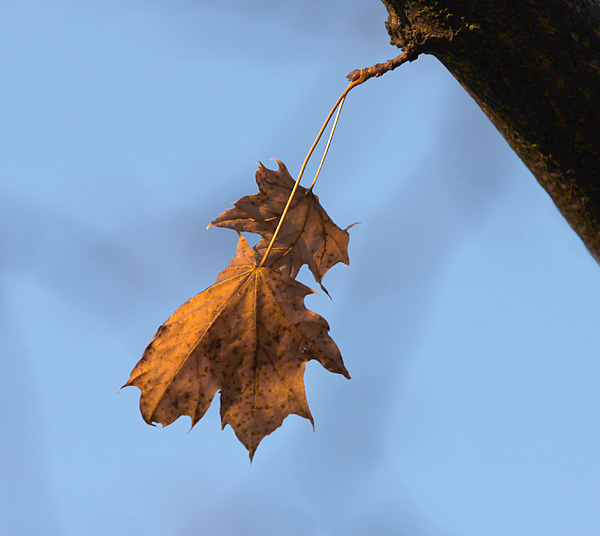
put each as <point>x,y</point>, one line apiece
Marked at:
<point>248,335</point>
<point>307,233</point>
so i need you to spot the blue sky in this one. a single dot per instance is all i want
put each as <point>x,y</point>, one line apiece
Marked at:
<point>468,317</point>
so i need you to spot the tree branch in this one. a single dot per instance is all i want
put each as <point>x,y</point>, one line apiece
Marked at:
<point>533,66</point>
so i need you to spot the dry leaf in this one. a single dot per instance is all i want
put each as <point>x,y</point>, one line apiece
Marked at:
<point>307,231</point>
<point>248,335</point>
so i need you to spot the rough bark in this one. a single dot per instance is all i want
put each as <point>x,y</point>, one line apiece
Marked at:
<point>533,66</point>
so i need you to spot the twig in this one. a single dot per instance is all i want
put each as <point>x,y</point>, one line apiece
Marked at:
<point>379,69</point>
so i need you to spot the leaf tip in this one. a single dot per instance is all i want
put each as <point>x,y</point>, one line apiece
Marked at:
<point>128,383</point>
<point>281,165</point>
<point>325,291</point>
<point>352,225</point>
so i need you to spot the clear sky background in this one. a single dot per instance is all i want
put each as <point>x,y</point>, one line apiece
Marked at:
<point>468,317</point>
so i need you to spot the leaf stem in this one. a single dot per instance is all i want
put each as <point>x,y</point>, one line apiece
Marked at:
<point>351,85</point>
<point>356,78</point>
<point>335,121</point>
